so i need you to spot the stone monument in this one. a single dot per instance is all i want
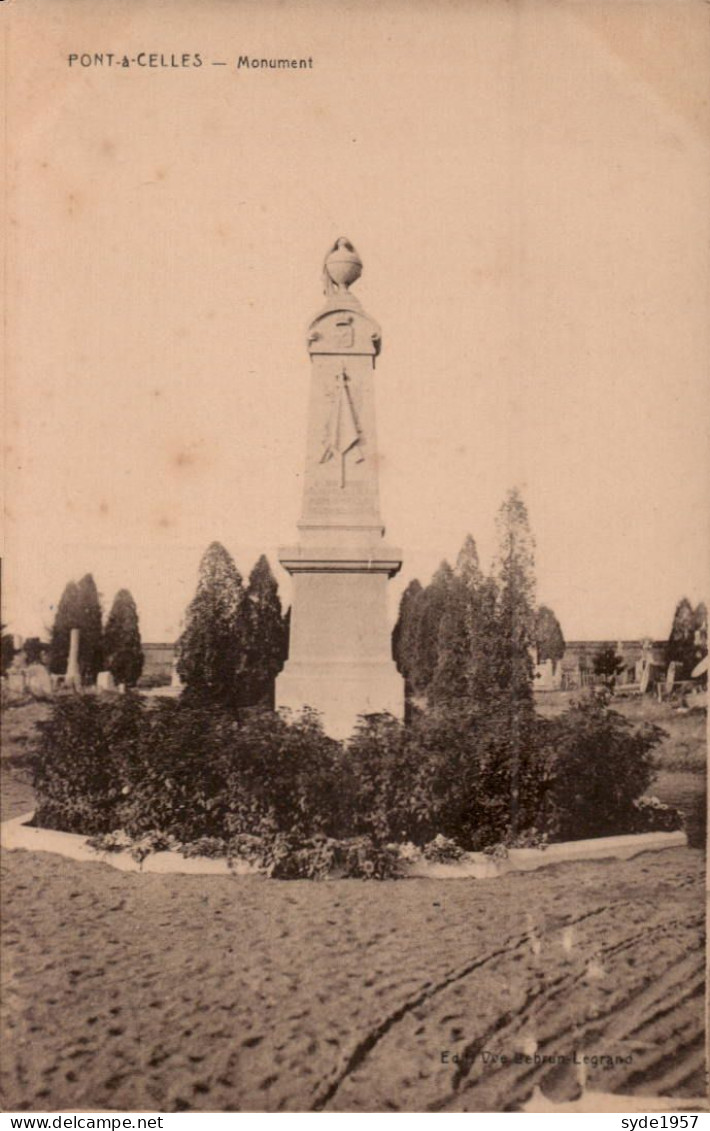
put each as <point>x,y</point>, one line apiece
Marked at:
<point>73,674</point>
<point>340,658</point>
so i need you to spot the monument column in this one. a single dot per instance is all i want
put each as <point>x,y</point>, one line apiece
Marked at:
<point>340,659</point>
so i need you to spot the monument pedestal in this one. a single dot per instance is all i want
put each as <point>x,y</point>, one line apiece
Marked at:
<point>340,658</point>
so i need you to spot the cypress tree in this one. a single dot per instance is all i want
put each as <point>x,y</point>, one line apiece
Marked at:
<point>513,664</point>
<point>429,609</point>
<point>403,633</point>
<point>285,635</point>
<point>123,654</point>
<point>33,649</point>
<point>264,636</point>
<point>8,651</point>
<point>701,631</point>
<point>450,683</point>
<point>515,576</point>
<point>65,619</point>
<point>681,642</point>
<point>487,663</point>
<point>468,567</point>
<point>89,625</point>
<point>212,648</point>
<point>549,641</point>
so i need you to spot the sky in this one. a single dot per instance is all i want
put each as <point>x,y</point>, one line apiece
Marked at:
<point>527,185</point>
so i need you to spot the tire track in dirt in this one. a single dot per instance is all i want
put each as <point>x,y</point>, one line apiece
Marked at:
<point>563,984</point>
<point>529,1013</point>
<point>368,1043</point>
<point>251,995</point>
<point>364,1047</point>
<point>614,1026</point>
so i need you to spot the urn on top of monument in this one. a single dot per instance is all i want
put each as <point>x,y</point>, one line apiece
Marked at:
<point>342,325</point>
<point>342,266</point>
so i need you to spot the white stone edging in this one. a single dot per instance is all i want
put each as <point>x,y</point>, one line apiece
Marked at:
<point>18,834</point>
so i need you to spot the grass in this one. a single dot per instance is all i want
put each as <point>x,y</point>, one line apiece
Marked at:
<point>681,758</point>
<point>685,747</point>
<point>19,730</point>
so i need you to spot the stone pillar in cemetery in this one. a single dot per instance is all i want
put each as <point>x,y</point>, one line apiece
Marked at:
<point>73,676</point>
<point>340,659</point>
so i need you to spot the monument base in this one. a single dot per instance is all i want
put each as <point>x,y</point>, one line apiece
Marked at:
<point>341,691</point>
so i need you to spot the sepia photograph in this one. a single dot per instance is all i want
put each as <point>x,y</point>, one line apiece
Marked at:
<point>356,557</point>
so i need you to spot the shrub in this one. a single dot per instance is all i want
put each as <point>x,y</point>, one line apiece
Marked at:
<point>138,848</point>
<point>528,838</point>
<point>292,859</point>
<point>465,776</point>
<point>361,859</point>
<point>385,783</point>
<point>443,850</point>
<point>284,795</point>
<point>601,766</point>
<point>188,771</point>
<point>212,846</point>
<point>649,815</point>
<point>76,778</point>
<point>280,776</point>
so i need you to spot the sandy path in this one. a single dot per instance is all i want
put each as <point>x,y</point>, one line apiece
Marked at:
<point>176,993</point>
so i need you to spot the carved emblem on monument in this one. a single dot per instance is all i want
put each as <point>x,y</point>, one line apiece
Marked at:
<point>342,433</point>
<point>344,332</point>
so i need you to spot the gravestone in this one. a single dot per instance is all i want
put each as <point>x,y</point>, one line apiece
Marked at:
<point>340,660</point>
<point>670,677</point>
<point>645,679</point>
<point>105,682</point>
<point>39,681</point>
<point>16,681</point>
<point>73,675</point>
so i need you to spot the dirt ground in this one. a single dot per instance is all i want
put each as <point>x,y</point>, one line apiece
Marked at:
<point>143,992</point>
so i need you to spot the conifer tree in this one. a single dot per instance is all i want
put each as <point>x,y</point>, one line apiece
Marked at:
<point>467,566</point>
<point>33,649</point>
<point>402,634</point>
<point>549,641</point>
<point>701,631</point>
<point>212,648</point>
<point>428,611</point>
<point>286,635</point>
<point>89,625</point>
<point>79,607</point>
<point>681,642</point>
<point>8,651</point>
<point>65,619</point>
<point>450,683</point>
<point>513,660</point>
<point>515,565</point>
<point>487,665</point>
<point>608,664</point>
<point>264,636</point>
<point>123,654</point>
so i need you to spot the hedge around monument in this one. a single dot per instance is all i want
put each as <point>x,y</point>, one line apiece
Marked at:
<point>168,772</point>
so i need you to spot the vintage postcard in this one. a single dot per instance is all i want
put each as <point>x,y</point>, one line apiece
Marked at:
<point>354,645</point>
